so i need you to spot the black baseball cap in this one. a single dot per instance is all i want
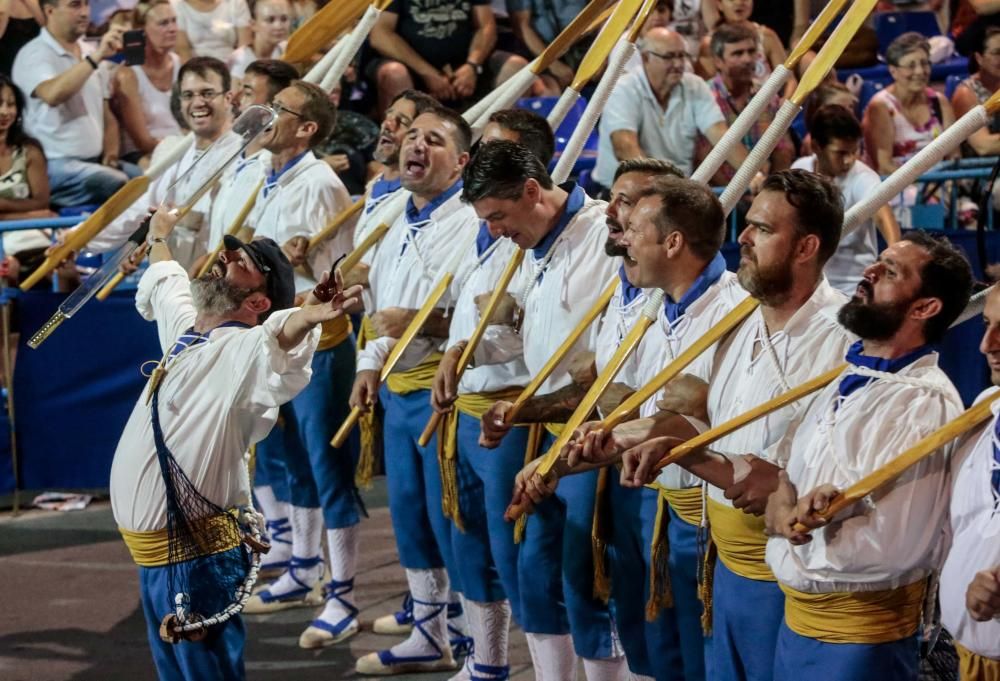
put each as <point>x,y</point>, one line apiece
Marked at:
<point>272,263</point>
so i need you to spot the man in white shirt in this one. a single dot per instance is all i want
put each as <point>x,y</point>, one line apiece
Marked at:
<point>411,259</point>
<point>68,109</point>
<point>855,588</point>
<point>564,271</point>
<point>836,136</point>
<point>235,354</point>
<point>970,578</point>
<point>658,112</point>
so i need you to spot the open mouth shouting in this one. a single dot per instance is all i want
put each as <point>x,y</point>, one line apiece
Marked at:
<point>414,165</point>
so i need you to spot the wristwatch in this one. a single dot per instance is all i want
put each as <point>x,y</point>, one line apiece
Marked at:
<point>478,68</point>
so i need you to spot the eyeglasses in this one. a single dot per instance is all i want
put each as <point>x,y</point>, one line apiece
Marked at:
<point>668,56</point>
<point>281,108</point>
<point>207,95</point>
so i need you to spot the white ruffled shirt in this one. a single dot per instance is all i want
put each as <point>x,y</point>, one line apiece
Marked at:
<point>975,544</point>
<point>238,182</point>
<point>386,208</point>
<point>618,320</point>
<point>897,535</point>
<point>217,399</point>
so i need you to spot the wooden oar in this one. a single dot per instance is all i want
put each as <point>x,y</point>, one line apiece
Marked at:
<point>322,28</point>
<point>560,354</point>
<point>234,228</point>
<point>354,257</point>
<point>465,359</point>
<point>762,98</point>
<point>352,45</point>
<point>968,420</point>
<point>411,331</point>
<point>594,60</point>
<point>336,223</point>
<point>103,216</point>
<point>811,79</point>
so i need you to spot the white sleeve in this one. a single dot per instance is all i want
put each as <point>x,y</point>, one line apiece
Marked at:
<point>31,68</point>
<point>373,356</point>
<point>271,376</point>
<point>621,112</point>
<point>500,344</point>
<point>241,13</point>
<point>164,296</point>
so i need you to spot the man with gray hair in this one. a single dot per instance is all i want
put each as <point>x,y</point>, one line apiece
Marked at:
<point>659,111</point>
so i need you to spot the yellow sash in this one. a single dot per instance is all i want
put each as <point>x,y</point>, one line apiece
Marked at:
<point>471,404</point>
<point>334,332</point>
<point>685,502</point>
<point>740,540</point>
<point>973,667</point>
<point>856,616</point>
<point>368,423</point>
<point>150,548</point>
<point>420,377</point>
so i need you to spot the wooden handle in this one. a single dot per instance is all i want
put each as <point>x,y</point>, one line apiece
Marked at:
<point>816,28</point>
<point>354,257</point>
<point>640,20</point>
<point>340,437</point>
<point>598,53</point>
<point>336,223</point>
<point>746,418</point>
<point>568,36</point>
<point>321,29</point>
<point>477,335</point>
<point>595,310</point>
<point>965,422</point>
<point>103,294</point>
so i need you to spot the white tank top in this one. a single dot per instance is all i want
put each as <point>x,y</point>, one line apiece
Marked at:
<point>155,107</point>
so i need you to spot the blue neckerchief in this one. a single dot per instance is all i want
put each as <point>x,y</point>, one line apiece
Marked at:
<point>242,163</point>
<point>629,292</point>
<point>191,338</point>
<point>853,382</point>
<point>417,219</point>
<point>574,202</point>
<point>272,177</point>
<point>484,239</point>
<point>380,188</point>
<point>713,271</point>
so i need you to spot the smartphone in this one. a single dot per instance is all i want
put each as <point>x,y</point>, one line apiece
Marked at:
<point>134,47</point>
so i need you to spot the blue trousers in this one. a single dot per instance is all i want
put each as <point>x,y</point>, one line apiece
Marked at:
<point>683,563</point>
<point>556,567</point>
<point>799,657</point>
<point>269,467</point>
<point>651,648</point>
<point>319,475</point>
<point>74,182</point>
<point>423,534</point>
<point>486,480</point>
<point>746,617</point>
<point>217,657</point>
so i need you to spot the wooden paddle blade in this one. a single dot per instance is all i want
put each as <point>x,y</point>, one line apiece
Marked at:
<point>598,53</point>
<point>640,19</point>
<point>354,257</point>
<point>336,223</point>
<point>90,227</point>
<point>834,47</point>
<point>993,103</point>
<point>568,36</point>
<point>322,28</point>
<point>815,30</point>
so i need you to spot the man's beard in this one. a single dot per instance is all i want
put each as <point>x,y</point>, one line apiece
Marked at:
<point>391,159</point>
<point>213,295</point>
<point>872,321</point>
<point>612,248</point>
<point>768,285</point>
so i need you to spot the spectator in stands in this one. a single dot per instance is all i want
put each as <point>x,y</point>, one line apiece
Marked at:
<point>68,110</point>
<point>20,22</point>
<point>770,51</point>
<point>270,25</point>
<point>658,112</point>
<point>444,47</point>
<point>536,23</point>
<point>906,116</point>
<point>211,28</point>
<point>142,92</point>
<point>828,93</point>
<point>24,184</point>
<point>734,49</point>
<point>976,89</point>
<point>789,19</point>
<point>836,135</point>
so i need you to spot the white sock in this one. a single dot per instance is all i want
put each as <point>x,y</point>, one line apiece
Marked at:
<point>606,669</point>
<point>342,546</point>
<point>270,507</point>
<point>553,656</point>
<point>458,623</point>
<point>307,535</point>
<point>489,624</point>
<point>430,598</point>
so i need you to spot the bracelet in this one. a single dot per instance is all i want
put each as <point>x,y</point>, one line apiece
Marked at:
<point>91,61</point>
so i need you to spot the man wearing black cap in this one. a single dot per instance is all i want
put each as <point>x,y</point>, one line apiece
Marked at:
<point>234,352</point>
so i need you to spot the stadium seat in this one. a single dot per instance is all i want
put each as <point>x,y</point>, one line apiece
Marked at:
<point>891,25</point>
<point>950,83</point>
<point>542,106</point>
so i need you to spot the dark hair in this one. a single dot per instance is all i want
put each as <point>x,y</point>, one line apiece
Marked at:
<point>316,108</point>
<point>821,96</point>
<point>533,131</point>
<point>421,101</point>
<point>279,74</point>
<point>692,209</point>
<point>817,202</point>
<point>648,166</point>
<point>834,122</point>
<point>499,170</point>
<point>727,34</point>
<point>202,66</point>
<point>946,276</point>
<point>463,133</point>
<point>16,137</point>
<point>904,44</point>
